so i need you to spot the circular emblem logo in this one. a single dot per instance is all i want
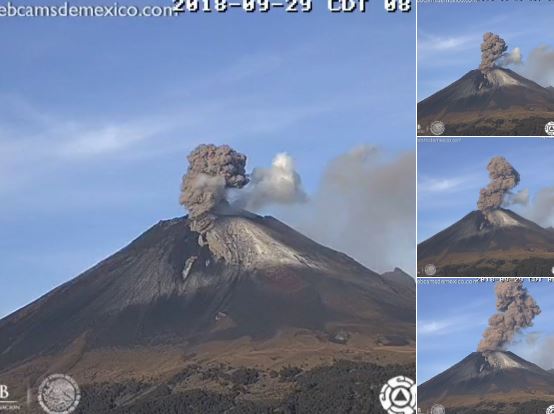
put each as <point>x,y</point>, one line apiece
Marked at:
<point>438,409</point>
<point>549,129</point>
<point>437,128</point>
<point>398,396</point>
<point>59,394</point>
<point>430,270</point>
<point>550,410</point>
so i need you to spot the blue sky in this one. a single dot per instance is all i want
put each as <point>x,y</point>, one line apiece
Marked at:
<point>450,34</point>
<point>451,174</point>
<point>97,116</point>
<point>452,317</point>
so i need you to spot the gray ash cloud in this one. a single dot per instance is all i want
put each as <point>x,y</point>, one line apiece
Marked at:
<point>503,178</point>
<point>212,170</point>
<point>516,310</point>
<point>492,49</point>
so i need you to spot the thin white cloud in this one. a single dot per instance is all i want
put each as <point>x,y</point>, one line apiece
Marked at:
<point>34,142</point>
<point>433,185</point>
<point>251,65</point>
<point>433,327</point>
<point>450,325</point>
<point>110,138</point>
<point>31,136</point>
<point>428,43</point>
<point>468,317</point>
<point>428,185</point>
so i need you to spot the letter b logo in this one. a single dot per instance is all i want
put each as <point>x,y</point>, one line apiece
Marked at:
<point>4,392</point>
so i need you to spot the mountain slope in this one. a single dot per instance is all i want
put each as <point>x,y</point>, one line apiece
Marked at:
<point>501,243</point>
<point>249,292</point>
<point>403,281</point>
<point>486,377</point>
<point>500,102</point>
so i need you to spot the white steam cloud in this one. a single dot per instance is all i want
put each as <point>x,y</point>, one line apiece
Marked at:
<point>519,198</point>
<point>511,58</point>
<point>279,184</point>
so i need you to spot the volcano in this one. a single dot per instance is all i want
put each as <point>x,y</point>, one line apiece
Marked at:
<point>177,311</point>
<point>490,381</point>
<point>497,243</point>
<point>498,102</point>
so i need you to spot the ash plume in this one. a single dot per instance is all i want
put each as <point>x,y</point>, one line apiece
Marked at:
<point>542,210</point>
<point>540,66</point>
<point>540,207</point>
<point>492,49</point>
<point>537,348</point>
<point>504,177</point>
<point>516,310</point>
<point>279,184</point>
<point>212,170</point>
<point>364,206</point>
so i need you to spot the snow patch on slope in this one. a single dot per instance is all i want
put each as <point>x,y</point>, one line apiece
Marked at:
<point>241,241</point>
<point>501,360</point>
<point>500,218</point>
<point>499,78</point>
<point>479,84</point>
